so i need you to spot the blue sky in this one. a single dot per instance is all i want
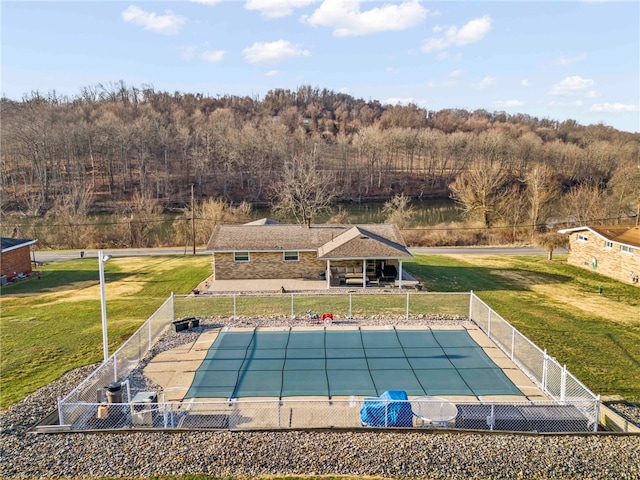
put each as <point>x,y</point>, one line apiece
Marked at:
<point>549,59</point>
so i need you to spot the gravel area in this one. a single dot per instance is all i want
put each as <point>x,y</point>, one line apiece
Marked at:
<point>424,454</point>
<point>629,411</point>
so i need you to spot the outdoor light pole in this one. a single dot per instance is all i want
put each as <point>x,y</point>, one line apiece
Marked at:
<point>103,301</point>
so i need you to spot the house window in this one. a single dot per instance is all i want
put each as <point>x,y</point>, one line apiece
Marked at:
<point>626,249</point>
<point>240,256</point>
<point>608,245</point>
<point>291,256</point>
<point>582,238</point>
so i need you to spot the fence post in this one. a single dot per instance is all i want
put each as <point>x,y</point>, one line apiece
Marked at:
<point>471,295</point>
<point>597,419</point>
<point>513,342</point>
<point>386,414</point>
<point>350,316</point>
<point>563,383</point>
<point>115,366</point>
<point>60,412</point>
<point>489,323</point>
<point>292,315</point>
<point>491,420</point>
<point>173,307</point>
<point>234,307</point>
<point>407,306</point>
<point>544,371</point>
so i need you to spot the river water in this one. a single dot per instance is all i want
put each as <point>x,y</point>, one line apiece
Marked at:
<point>427,212</point>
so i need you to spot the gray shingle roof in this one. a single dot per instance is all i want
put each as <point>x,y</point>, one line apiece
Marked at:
<point>337,241</point>
<point>358,242</point>
<point>9,244</point>
<point>624,235</point>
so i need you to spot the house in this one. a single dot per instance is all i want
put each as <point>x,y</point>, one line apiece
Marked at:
<point>613,251</point>
<point>354,255</point>
<point>15,260</point>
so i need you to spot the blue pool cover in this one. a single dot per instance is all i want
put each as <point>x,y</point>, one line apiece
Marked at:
<point>325,362</point>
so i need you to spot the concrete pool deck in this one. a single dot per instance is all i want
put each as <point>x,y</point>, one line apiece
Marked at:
<point>174,370</point>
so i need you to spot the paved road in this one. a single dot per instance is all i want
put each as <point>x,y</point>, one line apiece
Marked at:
<point>48,256</point>
<point>483,250</point>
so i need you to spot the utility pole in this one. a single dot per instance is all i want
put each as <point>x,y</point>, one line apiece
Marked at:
<point>193,220</point>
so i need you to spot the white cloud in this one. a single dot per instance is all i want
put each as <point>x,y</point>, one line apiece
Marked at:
<point>346,19</point>
<point>167,24</point>
<point>273,52</point>
<point>212,56</point>
<point>508,104</point>
<point>457,74</point>
<point>486,82</point>
<point>471,32</point>
<point>613,108</point>
<point>572,86</point>
<point>276,8</point>
<point>392,70</point>
<point>525,83</point>
<point>564,61</point>
<point>272,73</point>
<point>206,2</point>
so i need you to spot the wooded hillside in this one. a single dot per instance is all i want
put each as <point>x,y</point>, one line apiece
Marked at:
<point>98,150</point>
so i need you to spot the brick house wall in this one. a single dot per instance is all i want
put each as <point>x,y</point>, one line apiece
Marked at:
<point>611,262</point>
<point>17,260</point>
<point>267,265</point>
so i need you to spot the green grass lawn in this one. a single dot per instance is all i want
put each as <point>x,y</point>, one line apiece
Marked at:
<point>558,307</point>
<point>52,325</point>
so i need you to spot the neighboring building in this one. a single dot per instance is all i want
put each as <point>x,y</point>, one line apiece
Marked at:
<point>340,254</point>
<point>16,258</point>
<point>611,251</point>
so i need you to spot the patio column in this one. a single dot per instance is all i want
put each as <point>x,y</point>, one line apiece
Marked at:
<point>364,273</point>
<point>328,274</point>
<point>400,275</point>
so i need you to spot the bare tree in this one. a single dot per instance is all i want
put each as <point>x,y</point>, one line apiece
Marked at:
<point>304,191</point>
<point>551,241</point>
<point>542,190</point>
<point>477,190</point>
<point>399,211</point>
<point>208,214</point>
<point>512,205</point>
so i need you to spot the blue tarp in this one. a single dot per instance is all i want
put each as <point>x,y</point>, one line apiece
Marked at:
<point>391,409</point>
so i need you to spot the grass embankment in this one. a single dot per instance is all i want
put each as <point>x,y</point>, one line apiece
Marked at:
<point>53,324</point>
<point>558,307</point>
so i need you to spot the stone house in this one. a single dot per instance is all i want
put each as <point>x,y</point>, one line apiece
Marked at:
<point>15,260</point>
<point>613,251</point>
<point>340,254</point>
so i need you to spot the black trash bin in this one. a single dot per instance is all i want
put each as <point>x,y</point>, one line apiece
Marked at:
<point>114,393</point>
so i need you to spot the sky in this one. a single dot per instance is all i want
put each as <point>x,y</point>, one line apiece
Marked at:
<point>550,59</point>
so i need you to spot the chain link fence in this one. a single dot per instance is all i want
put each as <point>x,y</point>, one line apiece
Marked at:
<point>107,400</point>
<point>149,413</point>
<point>545,371</point>
<point>342,305</point>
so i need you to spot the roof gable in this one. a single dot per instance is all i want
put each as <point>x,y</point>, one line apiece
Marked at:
<point>629,236</point>
<point>9,244</point>
<point>360,243</point>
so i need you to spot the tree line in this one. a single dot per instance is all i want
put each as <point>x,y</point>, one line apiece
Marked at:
<point>124,150</point>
